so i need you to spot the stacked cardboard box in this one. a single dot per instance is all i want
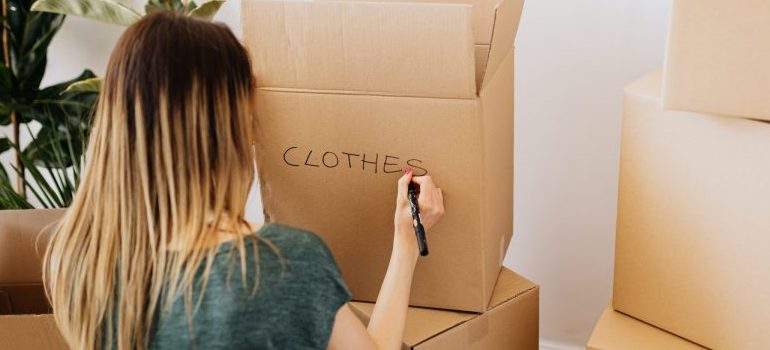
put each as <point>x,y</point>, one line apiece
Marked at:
<point>511,322</point>
<point>616,331</point>
<point>693,230</point>
<point>25,320</point>
<point>349,93</point>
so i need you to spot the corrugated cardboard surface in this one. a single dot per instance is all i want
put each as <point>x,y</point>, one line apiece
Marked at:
<point>390,48</point>
<point>616,331</point>
<point>483,16</point>
<point>350,203</point>
<point>21,251</point>
<point>329,160</point>
<point>717,58</point>
<point>405,49</point>
<point>693,230</point>
<point>511,323</point>
<point>30,332</point>
<point>19,256</point>
<point>497,183</point>
<point>21,292</point>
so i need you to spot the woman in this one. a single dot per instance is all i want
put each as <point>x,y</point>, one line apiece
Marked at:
<point>155,251</point>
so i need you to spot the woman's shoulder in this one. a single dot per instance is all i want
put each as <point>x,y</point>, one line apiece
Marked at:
<point>294,242</point>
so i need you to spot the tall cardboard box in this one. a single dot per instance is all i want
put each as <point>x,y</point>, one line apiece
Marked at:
<point>718,58</point>
<point>693,228</point>
<point>616,331</point>
<point>510,324</point>
<point>350,93</point>
<point>25,322</point>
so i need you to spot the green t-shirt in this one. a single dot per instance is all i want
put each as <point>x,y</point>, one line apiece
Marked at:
<point>298,296</point>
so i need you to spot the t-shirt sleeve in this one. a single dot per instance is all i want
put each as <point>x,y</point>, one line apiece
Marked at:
<point>324,287</point>
<point>332,278</point>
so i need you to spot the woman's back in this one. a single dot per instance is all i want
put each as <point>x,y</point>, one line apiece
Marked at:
<point>293,306</point>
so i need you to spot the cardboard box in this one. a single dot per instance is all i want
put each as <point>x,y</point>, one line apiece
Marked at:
<point>483,14</point>
<point>25,322</point>
<point>718,57</point>
<point>510,324</point>
<point>616,331</point>
<point>349,94</point>
<point>693,231</point>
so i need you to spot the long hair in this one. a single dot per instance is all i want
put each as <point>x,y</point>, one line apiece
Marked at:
<point>168,168</point>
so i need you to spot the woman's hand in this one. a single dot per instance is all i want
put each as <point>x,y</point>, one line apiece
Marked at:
<point>431,202</point>
<point>386,326</point>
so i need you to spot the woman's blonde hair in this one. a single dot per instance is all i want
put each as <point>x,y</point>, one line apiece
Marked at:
<point>168,168</point>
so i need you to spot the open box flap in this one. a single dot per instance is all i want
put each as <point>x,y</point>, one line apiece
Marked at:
<point>483,15</point>
<point>507,17</point>
<point>404,49</point>
<point>431,321</point>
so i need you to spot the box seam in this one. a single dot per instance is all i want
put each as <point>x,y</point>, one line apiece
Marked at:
<point>359,93</point>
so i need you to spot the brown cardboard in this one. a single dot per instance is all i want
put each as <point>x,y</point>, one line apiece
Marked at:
<point>329,159</point>
<point>616,331</point>
<point>510,324</point>
<point>361,47</point>
<point>692,232</point>
<point>30,332</point>
<point>483,16</point>
<point>390,48</point>
<point>24,319</point>
<point>717,58</point>
<point>20,255</point>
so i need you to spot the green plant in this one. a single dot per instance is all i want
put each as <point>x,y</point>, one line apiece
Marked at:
<point>54,157</point>
<point>115,12</point>
<point>62,115</point>
<point>53,178</point>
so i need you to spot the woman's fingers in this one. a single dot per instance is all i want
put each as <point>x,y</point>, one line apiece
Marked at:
<point>425,182</point>
<point>403,184</point>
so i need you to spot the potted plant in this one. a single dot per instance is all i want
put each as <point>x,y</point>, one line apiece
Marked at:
<point>54,157</point>
<point>59,115</point>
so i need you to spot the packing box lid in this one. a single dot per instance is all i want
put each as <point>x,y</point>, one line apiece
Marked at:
<point>616,331</point>
<point>403,49</point>
<point>425,323</point>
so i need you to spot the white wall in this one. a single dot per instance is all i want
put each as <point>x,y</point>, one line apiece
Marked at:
<point>573,58</point>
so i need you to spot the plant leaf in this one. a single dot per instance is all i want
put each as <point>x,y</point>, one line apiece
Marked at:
<point>207,10</point>
<point>5,144</point>
<point>49,148</point>
<point>9,199</point>
<point>85,85</point>
<point>32,55</point>
<point>109,11</point>
<point>6,90</point>
<point>6,81</point>
<point>64,107</point>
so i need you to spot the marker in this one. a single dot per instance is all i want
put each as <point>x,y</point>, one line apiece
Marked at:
<point>419,231</point>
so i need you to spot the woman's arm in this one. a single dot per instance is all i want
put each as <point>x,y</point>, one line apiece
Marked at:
<point>386,325</point>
